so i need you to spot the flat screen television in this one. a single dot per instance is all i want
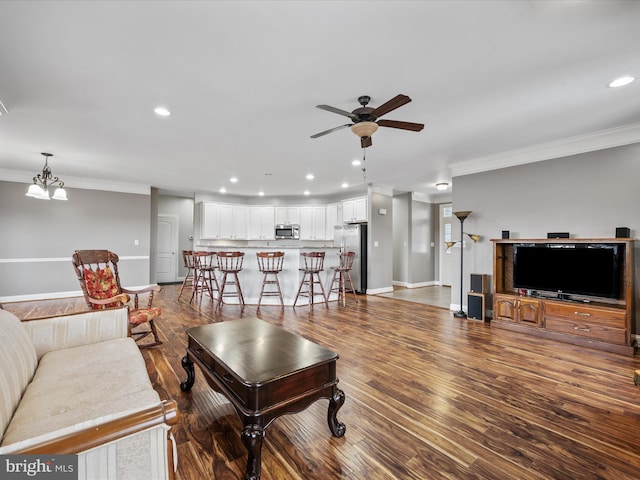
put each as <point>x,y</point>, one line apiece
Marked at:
<point>592,269</point>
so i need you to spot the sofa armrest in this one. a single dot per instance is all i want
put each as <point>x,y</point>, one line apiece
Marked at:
<point>101,431</point>
<point>72,330</point>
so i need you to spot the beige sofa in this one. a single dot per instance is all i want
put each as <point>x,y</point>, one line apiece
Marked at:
<point>77,384</point>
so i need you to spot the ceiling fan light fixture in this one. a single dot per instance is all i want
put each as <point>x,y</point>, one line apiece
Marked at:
<point>364,129</point>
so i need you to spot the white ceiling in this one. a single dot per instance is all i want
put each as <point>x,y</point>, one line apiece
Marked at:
<point>242,79</point>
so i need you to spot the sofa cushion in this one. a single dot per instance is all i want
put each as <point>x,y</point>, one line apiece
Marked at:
<point>101,284</point>
<point>77,384</point>
<point>18,362</point>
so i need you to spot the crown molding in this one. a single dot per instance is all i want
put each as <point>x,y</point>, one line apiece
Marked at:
<point>76,182</point>
<point>612,137</point>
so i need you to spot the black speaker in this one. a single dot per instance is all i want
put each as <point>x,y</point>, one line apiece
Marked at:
<point>505,233</point>
<point>623,232</point>
<point>479,283</point>
<point>475,306</point>
<point>558,235</point>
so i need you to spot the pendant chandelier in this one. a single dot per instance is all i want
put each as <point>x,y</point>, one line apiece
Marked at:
<point>44,180</point>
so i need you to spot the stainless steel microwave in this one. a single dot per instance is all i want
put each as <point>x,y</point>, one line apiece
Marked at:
<point>287,231</point>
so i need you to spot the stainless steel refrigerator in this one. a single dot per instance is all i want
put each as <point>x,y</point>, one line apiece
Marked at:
<point>353,238</point>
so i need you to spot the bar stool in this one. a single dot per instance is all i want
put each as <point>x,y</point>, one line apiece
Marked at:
<point>229,264</point>
<point>342,276</point>
<point>204,276</point>
<point>270,264</point>
<point>187,258</point>
<point>313,265</point>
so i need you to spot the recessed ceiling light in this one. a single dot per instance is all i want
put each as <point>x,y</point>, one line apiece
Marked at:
<point>356,162</point>
<point>162,112</point>
<point>233,180</point>
<point>261,193</point>
<point>310,176</point>
<point>307,192</point>
<point>622,81</point>
<point>223,190</point>
<point>345,185</point>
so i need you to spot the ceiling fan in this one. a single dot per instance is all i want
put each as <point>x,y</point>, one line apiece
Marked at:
<point>365,119</point>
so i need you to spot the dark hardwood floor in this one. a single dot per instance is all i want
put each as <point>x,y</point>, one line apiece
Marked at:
<point>428,396</point>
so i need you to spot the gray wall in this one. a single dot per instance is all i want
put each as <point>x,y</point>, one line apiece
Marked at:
<point>380,230</point>
<point>37,237</point>
<point>401,229</point>
<point>588,195</point>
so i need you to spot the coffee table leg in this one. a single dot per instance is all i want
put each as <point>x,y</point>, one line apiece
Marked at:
<point>191,374</point>
<point>335,402</point>
<point>252,436</point>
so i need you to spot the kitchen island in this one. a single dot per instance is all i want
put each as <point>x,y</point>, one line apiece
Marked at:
<point>251,278</point>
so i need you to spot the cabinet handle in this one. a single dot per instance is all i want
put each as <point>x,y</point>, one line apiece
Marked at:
<point>581,329</point>
<point>582,314</point>
<point>228,378</point>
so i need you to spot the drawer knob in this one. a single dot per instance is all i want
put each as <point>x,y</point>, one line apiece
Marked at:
<point>228,378</point>
<point>581,329</point>
<point>582,314</point>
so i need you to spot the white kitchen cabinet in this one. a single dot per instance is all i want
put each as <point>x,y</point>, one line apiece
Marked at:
<point>209,220</point>
<point>287,215</point>
<point>354,210</point>
<point>223,221</point>
<point>313,223</point>
<point>332,219</point>
<point>234,221</point>
<point>261,223</point>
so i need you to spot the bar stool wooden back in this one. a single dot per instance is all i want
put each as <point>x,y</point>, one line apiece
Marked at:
<point>230,264</point>
<point>342,277</point>
<point>187,258</point>
<point>270,264</point>
<point>313,265</point>
<point>204,276</point>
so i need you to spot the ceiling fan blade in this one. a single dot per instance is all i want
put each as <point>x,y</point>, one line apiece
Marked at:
<point>329,108</point>
<point>365,142</point>
<point>330,130</point>
<point>392,104</point>
<point>414,127</point>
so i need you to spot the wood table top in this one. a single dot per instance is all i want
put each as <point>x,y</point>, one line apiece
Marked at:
<point>257,351</point>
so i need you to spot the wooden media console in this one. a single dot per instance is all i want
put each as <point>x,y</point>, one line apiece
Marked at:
<point>595,322</point>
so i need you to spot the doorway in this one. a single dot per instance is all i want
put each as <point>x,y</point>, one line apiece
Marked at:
<point>167,243</point>
<point>446,261</point>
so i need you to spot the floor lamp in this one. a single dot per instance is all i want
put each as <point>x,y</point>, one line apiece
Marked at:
<point>462,217</point>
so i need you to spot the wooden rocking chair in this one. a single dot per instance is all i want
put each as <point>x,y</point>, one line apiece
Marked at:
<point>97,272</point>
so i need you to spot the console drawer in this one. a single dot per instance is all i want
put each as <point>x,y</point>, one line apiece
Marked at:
<point>586,328</point>
<point>587,314</point>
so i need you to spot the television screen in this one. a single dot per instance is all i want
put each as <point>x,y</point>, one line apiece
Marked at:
<point>579,269</point>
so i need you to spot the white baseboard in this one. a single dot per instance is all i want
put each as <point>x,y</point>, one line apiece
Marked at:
<point>432,283</point>
<point>375,291</point>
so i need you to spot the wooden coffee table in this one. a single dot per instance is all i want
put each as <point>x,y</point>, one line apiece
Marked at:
<point>265,372</point>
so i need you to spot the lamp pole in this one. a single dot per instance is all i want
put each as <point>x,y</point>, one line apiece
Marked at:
<point>462,217</point>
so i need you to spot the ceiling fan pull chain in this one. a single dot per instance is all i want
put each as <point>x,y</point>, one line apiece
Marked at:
<point>364,168</point>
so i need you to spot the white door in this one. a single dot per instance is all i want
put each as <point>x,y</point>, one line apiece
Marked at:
<point>167,256</point>
<point>446,262</point>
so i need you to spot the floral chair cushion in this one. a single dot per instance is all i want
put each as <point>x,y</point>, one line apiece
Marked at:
<point>101,284</point>
<point>142,315</point>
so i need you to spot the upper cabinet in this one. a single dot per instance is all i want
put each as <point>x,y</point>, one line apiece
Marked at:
<point>223,221</point>
<point>354,210</point>
<point>288,215</point>
<point>261,223</point>
<point>313,223</point>
<point>234,222</point>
